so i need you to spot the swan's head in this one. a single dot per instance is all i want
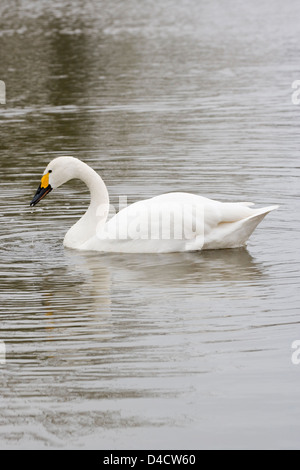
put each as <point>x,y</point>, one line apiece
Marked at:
<point>59,171</point>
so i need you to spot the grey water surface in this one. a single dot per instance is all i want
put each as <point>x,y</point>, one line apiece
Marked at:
<point>168,351</point>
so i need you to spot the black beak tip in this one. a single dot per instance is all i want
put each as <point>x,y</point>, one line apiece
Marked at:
<point>40,194</point>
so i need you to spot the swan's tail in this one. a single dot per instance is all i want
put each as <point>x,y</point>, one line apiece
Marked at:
<point>236,234</point>
<point>250,224</point>
<point>245,227</point>
<point>264,210</point>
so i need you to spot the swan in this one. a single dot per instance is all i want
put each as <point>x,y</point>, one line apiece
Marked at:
<point>171,222</point>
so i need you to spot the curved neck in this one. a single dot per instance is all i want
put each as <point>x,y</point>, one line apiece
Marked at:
<point>96,215</point>
<point>96,185</point>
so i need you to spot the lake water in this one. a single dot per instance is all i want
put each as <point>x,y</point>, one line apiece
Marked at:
<point>169,351</point>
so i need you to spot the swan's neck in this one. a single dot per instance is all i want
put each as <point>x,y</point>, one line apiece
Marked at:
<point>96,215</point>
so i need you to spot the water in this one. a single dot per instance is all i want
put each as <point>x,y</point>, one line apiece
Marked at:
<point>188,350</point>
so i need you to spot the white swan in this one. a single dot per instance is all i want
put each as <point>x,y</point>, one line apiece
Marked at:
<point>166,223</point>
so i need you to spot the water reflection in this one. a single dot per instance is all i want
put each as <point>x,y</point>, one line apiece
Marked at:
<point>102,278</point>
<point>115,297</point>
<point>171,269</point>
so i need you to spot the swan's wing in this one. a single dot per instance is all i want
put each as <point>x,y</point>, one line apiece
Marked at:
<point>158,219</point>
<point>248,204</point>
<point>174,216</point>
<point>177,222</point>
<point>167,223</point>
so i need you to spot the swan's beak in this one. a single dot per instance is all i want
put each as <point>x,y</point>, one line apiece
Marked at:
<point>42,191</point>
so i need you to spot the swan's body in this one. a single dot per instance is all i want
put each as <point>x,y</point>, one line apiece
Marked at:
<point>167,223</point>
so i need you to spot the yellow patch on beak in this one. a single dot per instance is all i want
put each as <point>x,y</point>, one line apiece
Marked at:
<point>45,181</point>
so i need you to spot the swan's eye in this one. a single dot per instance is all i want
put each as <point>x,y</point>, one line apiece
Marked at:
<point>50,171</point>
